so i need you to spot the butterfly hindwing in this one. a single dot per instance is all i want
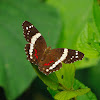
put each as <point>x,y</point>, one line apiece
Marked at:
<point>36,46</point>
<point>52,61</point>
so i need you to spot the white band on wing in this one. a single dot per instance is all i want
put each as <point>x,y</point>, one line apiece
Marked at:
<point>33,40</point>
<point>62,58</point>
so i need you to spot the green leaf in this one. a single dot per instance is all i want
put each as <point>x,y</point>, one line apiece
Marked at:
<point>87,96</point>
<point>50,80</point>
<point>86,63</point>
<point>16,73</point>
<point>96,14</point>
<point>89,39</point>
<point>66,75</point>
<point>66,95</point>
<point>63,79</point>
<point>94,79</point>
<point>79,91</point>
<point>89,43</point>
<point>74,19</point>
<point>52,92</point>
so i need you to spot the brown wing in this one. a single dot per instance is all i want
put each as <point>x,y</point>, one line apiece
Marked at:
<point>28,30</point>
<point>52,61</point>
<point>36,46</point>
<point>73,55</point>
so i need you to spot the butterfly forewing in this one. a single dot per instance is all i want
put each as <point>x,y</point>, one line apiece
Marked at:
<point>29,30</point>
<point>72,56</point>
<point>36,46</point>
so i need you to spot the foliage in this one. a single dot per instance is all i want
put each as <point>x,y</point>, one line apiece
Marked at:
<point>71,24</point>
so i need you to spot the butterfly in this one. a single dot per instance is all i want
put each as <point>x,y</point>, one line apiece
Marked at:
<point>48,60</point>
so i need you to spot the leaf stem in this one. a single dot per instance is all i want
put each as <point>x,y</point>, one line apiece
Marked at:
<point>62,87</point>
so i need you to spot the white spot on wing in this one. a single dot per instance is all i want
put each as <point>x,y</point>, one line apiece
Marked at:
<point>26,28</point>
<point>31,57</point>
<point>76,53</point>
<point>27,33</point>
<point>29,26</point>
<point>72,56</point>
<point>47,70</point>
<point>76,56</point>
<point>27,39</point>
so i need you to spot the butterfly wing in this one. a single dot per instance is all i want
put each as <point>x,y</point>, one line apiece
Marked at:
<point>36,46</point>
<point>49,63</point>
<point>73,55</point>
<point>53,60</point>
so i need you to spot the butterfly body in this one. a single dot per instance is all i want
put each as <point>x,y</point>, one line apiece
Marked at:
<point>48,60</point>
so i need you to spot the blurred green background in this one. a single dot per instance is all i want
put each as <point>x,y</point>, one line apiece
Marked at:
<point>73,24</point>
